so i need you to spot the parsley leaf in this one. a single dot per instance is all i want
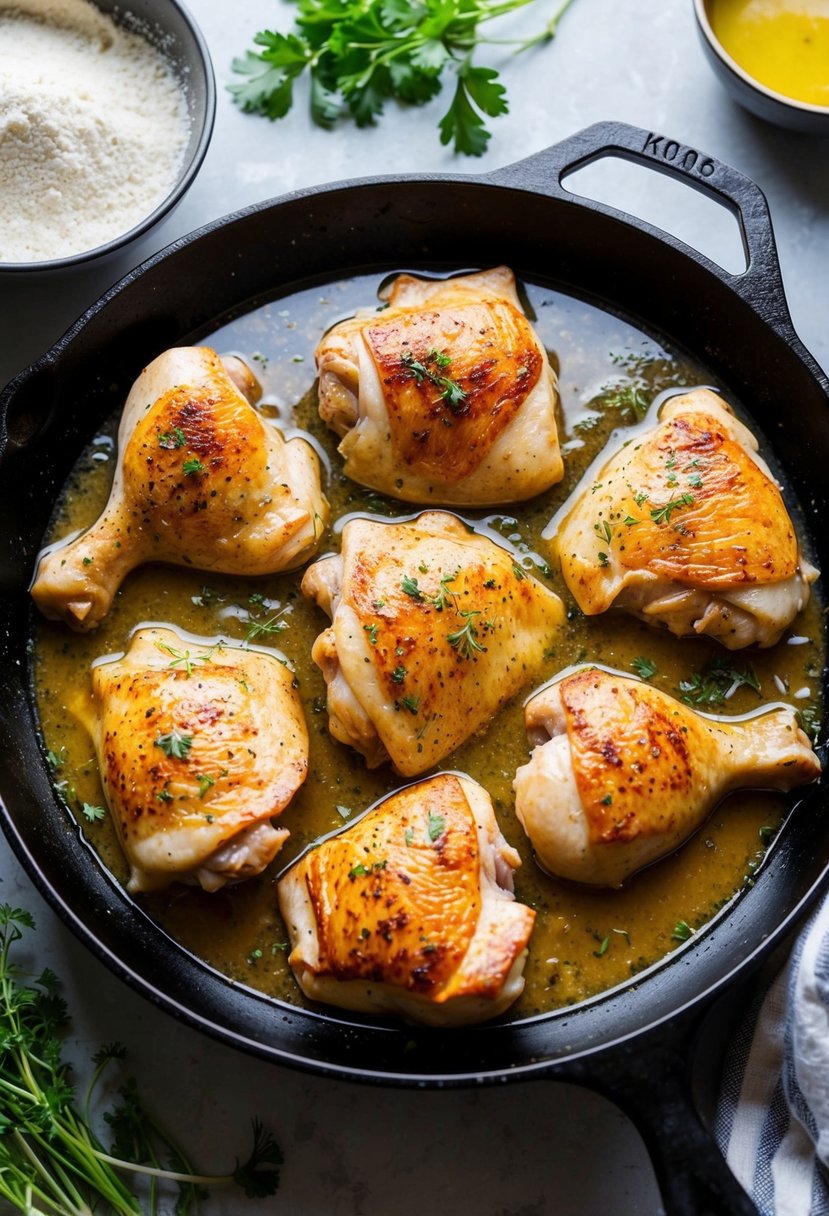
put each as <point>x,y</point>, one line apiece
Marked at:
<point>360,54</point>
<point>716,682</point>
<point>644,667</point>
<point>175,745</point>
<point>435,826</point>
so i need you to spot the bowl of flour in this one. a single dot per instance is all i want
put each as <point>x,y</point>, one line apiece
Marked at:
<point>106,112</point>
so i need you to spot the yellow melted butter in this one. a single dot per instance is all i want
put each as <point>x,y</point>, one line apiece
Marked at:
<point>783,44</point>
<point>584,940</point>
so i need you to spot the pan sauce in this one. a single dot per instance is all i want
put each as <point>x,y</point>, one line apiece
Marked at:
<point>584,940</point>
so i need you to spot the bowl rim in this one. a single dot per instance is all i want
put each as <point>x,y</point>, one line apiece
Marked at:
<point>703,21</point>
<point>176,192</point>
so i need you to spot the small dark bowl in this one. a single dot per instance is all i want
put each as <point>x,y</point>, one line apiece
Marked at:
<point>758,98</point>
<point>169,27</point>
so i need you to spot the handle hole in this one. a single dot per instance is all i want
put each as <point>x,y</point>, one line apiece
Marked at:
<point>664,202</point>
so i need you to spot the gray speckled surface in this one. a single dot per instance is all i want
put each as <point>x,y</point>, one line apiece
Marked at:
<point>529,1149</point>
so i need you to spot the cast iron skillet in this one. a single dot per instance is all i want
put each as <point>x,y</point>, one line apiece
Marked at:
<point>631,1043</point>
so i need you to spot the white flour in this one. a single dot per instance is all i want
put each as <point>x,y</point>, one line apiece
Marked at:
<point>93,126</point>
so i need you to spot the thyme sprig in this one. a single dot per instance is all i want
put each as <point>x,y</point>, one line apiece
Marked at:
<point>52,1162</point>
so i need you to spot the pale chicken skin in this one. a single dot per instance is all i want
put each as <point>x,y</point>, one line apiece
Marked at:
<point>445,397</point>
<point>199,747</point>
<point>411,910</point>
<point>434,628</point>
<point>202,481</point>
<point>622,773</point>
<point>685,528</point>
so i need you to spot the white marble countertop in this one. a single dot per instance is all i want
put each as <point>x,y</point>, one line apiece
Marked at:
<point>528,1149</point>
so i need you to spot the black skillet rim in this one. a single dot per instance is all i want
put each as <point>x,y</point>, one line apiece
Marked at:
<point>341,1047</point>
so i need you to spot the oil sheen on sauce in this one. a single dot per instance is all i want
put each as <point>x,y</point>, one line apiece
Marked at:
<point>585,940</point>
<point>782,44</point>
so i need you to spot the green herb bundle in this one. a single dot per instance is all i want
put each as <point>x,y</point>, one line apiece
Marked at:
<point>51,1161</point>
<point>360,54</point>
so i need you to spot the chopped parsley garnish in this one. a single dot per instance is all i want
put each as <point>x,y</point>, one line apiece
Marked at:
<point>371,630</point>
<point>644,667</point>
<point>92,814</point>
<point>662,515</point>
<point>193,465</point>
<point>519,571</point>
<point>450,391</point>
<point>717,680</point>
<point>411,703</point>
<point>184,659</point>
<point>205,783</point>
<point>410,588</point>
<point>435,826</point>
<point>682,931</point>
<point>399,674</point>
<point>604,560</point>
<point>175,744</point>
<point>172,439</point>
<point>444,595</point>
<point>267,628</point>
<point>465,640</point>
<point>408,835</point>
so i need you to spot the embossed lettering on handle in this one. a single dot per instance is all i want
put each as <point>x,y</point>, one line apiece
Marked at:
<point>679,155</point>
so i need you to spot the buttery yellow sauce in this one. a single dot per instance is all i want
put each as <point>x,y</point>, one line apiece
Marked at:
<point>585,940</point>
<point>783,44</point>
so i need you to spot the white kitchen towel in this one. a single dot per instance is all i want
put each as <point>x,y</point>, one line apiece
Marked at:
<point>772,1122</point>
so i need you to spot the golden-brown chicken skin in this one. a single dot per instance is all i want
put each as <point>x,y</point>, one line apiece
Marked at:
<point>446,397</point>
<point>685,527</point>
<point>202,481</point>
<point>410,910</point>
<point>199,747</point>
<point>434,627</point>
<point>624,773</point>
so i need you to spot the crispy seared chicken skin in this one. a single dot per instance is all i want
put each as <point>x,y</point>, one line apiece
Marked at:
<point>410,911</point>
<point>685,527</point>
<point>434,627</point>
<point>446,397</point>
<point>202,481</point>
<point>199,747</point>
<point>622,773</point>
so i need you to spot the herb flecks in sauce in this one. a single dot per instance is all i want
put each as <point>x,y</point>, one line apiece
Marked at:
<point>638,921</point>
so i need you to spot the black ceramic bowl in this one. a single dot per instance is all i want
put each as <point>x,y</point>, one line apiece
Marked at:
<point>750,93</point>
<point>168,26</point>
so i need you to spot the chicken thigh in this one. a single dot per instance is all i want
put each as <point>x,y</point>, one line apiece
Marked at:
<point>684,527</point>
<point>410,911</point>
<point>446,397</point>
<point>202,480</point>
<point>624,773</point>
<point>199,747</point>
<point>434,628</point>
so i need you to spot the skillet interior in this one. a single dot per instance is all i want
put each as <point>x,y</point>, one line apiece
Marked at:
<point>374,227</point>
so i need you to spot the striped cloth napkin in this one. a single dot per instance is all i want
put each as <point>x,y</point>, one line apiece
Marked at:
<point>772,1121</point>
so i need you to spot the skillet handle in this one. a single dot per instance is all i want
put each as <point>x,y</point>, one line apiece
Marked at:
<point>760,285</point>
<point>650,1082</point>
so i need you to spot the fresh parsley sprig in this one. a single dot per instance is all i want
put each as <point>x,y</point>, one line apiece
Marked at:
<point>359,54</point>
